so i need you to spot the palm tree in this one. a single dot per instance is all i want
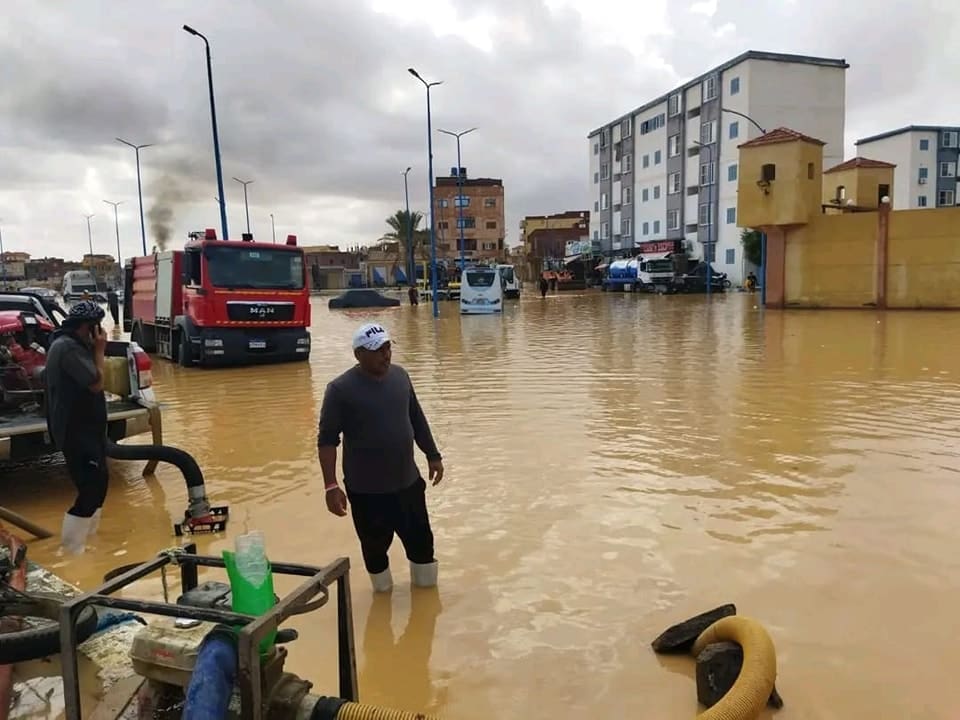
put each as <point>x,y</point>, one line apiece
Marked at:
<point>399,222</point>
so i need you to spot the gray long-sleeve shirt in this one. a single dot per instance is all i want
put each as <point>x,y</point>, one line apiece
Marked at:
<point>379,419</point>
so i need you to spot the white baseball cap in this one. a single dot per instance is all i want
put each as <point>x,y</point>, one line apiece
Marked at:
<point>370,337</point>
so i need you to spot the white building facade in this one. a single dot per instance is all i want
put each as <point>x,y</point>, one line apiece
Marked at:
<point>667,171</point>
<point>926,157</point>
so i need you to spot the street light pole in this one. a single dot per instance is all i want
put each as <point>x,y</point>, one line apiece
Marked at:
<point>746,117</point>
<point>90,242</point>
<point>433,232</point>
<point>273,229</point>
<point>246,205</point>
<point>463,258</point>
<point>216,138</point>
<point>411,261</point>
<point>116,224</point>
<point>708,269</point>
<point>3,259</point>
<point>137,149</point>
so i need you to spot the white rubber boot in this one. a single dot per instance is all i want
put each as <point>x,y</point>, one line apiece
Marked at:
<point>424,574</point>
<point>95,521</point>
<point>73,536</point>
<point>382,581</point>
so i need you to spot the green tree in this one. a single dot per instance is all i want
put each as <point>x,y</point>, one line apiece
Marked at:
<point>399,222</point>
<point>750,239</point>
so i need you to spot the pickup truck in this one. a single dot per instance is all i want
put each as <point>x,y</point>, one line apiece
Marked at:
<point>131,405</point>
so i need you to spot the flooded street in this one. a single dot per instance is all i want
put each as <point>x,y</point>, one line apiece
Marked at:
<point>614,464</point>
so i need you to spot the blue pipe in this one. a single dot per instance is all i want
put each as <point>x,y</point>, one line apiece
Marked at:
<point>214,675</point>
<point>763,270</point>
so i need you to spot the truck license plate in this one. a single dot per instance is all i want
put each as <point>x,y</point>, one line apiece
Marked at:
<point>258,344</point>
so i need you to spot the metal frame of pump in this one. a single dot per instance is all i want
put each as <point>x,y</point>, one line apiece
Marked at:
<point>253,630</point>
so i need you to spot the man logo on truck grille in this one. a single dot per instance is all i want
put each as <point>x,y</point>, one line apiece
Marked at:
<point>262,310</point>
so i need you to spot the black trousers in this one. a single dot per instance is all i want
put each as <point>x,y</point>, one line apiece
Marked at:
<point>87,465</point>
<point>377,517</point>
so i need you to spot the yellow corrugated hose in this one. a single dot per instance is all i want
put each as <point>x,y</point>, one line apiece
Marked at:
<point>356,711</point>
<point>749,694</point>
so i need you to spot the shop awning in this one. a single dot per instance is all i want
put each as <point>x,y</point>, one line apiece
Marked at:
<point>399,275</point>
<point>572,259</point>
<point>378,279</point>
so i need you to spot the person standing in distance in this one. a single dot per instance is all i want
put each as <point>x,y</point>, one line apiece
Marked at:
<point>374,407</point>
<point>77,416</point>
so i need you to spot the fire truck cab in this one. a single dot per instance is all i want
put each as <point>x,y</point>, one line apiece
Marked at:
<point>219,302</point>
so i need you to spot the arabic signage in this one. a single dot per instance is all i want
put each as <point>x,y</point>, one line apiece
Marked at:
<point>660,246</point>
<point>582,247</point>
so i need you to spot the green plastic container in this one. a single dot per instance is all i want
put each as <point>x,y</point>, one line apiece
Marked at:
<point>251,599</point>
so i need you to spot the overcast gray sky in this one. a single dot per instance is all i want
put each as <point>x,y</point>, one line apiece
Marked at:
<point>315,105</point>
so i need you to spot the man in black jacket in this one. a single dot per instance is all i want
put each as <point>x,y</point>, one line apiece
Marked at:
<point>374,407</point>
<point>77,416</point>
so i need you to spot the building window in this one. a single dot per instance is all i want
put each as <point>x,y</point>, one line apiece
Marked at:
<point>734,130</point>
<point>674,105</point>
<point>924,144</point>
<point>693,190</point>
<point>948,169</point>
<point>626,227</point>
<point>734,86</point>
<point>731,216</point>
<point>710,88</point>
<point>626,127</point>
<point>646,194</point>
<point>444,203</point>
<point>922,201</point>
<point>652,124</point>
<point>708,174</point>
<point>673,219</point>
<point>596,234</point>
<point>596,148</point>
<point>461,201</point>
<point>596,206</point>
<point>596,178</point>
<point>443,225</point>
<point>695,112</point>
<point>604,201</point>
<point>706,214</point>
<point>656,227</point>
<point>646,228</point>
<point>605,230</point>
<point>708,132</point>
<point>646,161</point>
<point>627,196</point>
<point>732,173</point>
<point>673,145</point>
<point>922,175</point>
<point>768,172</point>
<point>491,224</point>
<point>710,252</point>
<point>604,137</point>
<point>657,157</point>
<point>946,197</point>
<point>627,163</point>
<point>673,183</point>
<point>809,171</point>
<point>468,223</point>
<point>731,256</point>
<point>656,192</point>
<point>489,202</point>
<point>949,138</point>
<point>604,171</point>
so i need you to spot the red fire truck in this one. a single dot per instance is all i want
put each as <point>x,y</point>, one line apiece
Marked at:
<point>219,302</point>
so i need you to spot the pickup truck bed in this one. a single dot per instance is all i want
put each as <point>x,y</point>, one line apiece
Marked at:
<point>23,435</point>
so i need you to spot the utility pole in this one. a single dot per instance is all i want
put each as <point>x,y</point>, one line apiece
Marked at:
<point>246,205</point>
<point>116,224</point>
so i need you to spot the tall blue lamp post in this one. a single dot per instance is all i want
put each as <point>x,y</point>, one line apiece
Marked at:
<point>216,138</point>
<point>411,261</point>
<point>137,149</point>
<point>463,260</point>
<point>433,233</point>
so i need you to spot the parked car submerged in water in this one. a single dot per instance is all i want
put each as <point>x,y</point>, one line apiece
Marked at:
<point>361,299</point>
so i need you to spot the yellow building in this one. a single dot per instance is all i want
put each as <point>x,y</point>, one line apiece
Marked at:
<point>859,183</point>
<point>828,254</point>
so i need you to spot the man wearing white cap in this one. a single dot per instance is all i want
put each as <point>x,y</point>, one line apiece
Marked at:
<point>374,407</point>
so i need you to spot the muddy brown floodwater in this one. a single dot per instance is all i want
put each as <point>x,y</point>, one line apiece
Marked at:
<point>614,464</point>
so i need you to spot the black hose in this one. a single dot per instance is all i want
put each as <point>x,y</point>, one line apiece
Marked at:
<point>163,453</point>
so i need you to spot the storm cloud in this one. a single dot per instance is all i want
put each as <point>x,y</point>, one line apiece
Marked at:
<point>315,105</point>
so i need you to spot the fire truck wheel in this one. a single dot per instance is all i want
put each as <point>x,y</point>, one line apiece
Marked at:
<point>184,356</point>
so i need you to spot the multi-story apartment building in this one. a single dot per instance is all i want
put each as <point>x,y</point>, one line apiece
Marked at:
<point>483,217</point>
<point>668,169</point>
<point>926,157</point>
